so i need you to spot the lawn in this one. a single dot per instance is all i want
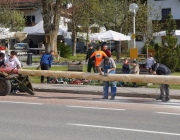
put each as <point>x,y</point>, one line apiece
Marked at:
<point>78,57</point>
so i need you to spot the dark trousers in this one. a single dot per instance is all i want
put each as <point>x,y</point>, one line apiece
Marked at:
<point>90,66</point>
<point>45,67</point>
<point>164,89</point>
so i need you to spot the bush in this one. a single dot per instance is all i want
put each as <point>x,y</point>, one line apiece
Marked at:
<point>144,48</point>
<point>65,50</point>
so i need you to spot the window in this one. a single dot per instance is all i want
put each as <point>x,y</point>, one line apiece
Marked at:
<point>30,20</point>
<point>165,12</point>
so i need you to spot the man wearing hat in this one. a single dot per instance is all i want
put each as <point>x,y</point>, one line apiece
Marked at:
<point>108,65</point>
<point>135,70</point>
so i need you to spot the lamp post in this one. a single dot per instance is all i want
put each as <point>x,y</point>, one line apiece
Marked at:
<point>133,8</point>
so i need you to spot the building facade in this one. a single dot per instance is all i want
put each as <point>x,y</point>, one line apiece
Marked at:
<point>168,6</point>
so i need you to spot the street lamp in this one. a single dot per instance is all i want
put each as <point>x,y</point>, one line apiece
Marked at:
<point>133,8</point>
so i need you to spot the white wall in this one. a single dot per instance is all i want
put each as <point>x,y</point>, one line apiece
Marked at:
<point>173,4</point>
<point>36,13</point>
<point>38,17</point>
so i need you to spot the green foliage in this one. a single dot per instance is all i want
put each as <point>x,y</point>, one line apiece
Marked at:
<point>169,53</point>
<point>12,18</point>
<point>144,48</point>
<point>65,50</point>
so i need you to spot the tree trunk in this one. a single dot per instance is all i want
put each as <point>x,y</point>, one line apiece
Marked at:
<point>118,49</point>
<point>74,41</point>
<point>51,18</point>
<point>47,47</point>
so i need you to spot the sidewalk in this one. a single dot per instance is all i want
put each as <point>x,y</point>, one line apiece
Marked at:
<point>97,90</point>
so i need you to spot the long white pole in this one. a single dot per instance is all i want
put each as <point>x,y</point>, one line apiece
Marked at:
<point>134,31</point>
<point>158,79</point>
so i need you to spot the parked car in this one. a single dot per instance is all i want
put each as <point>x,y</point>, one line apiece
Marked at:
<point>21,46</point>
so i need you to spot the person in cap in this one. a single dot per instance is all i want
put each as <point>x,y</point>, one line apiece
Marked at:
<point>91,62</point>
<point>160,69</point>
<point>108,67</point>
<point>135,70</point>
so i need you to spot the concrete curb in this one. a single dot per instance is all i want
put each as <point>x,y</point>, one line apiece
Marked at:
<point>127,94</point>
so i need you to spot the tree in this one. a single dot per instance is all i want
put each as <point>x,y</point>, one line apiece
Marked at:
<point>81,14</point>
<point>51,12</point>
<point>11,18</point>
<point>119,18</point>
<point>169,53</point>
<point>148,23</point>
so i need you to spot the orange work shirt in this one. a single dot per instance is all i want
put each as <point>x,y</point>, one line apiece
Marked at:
<point>99,55</point>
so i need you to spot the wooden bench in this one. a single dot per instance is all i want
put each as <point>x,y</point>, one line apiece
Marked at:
<point>143,71</point>
<point>75,67</point>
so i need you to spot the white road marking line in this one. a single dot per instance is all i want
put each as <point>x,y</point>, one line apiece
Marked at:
<point>12,102</point>
<point>167,113</point>
<point>85,107</point>
<point>124,129</point>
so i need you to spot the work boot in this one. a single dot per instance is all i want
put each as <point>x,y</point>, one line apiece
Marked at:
<point>166,99</point>
<point>104,97</point>
<point>112,98</point>
<point>159,97</point>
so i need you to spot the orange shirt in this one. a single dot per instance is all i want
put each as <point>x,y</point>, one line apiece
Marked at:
<point>99,55</point>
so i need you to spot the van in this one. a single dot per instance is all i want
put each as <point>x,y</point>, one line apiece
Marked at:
<point>21,46</point>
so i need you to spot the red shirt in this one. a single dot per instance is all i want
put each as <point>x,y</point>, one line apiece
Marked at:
<point>108,53</point>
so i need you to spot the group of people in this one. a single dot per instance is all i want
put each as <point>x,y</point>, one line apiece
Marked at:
<point>102,62</point>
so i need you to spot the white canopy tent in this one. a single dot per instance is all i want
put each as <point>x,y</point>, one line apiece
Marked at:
<point>39,30</point>
<point>6,34</point>
<point>95,36</point>
<point>110,35</point>
<point>163,33</point>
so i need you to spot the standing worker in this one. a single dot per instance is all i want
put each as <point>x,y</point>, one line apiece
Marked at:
<point>108,65</point>
<point>161,69</point>
<point>106,51</point>
<point>98,55</point>
<point>91,62</point>
<point>46,62</point>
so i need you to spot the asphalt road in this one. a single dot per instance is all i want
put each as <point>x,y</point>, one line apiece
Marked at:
<point>86,117</point>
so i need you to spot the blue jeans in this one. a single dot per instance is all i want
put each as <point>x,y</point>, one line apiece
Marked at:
<point>106,87</point>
